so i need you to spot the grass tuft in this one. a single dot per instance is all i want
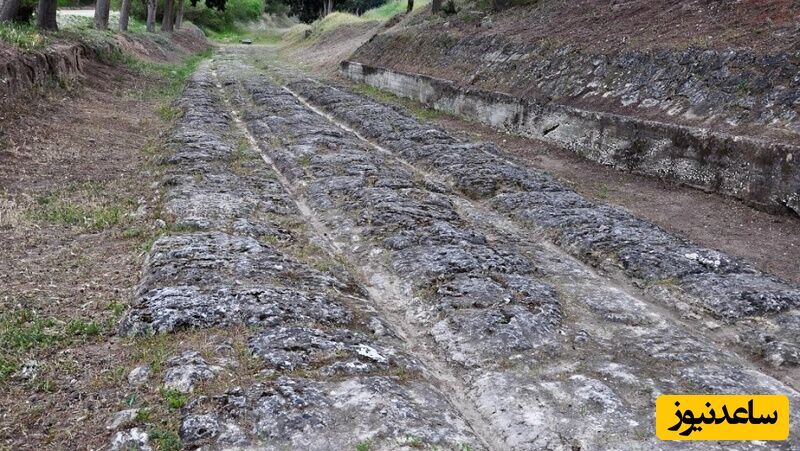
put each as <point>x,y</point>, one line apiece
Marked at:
<point>79,327</point>
<point>173,398</point>
<point>165,440</point>
<point>22,36</point>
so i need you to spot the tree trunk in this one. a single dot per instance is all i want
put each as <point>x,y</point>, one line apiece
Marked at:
<point>168,18</point>
<point>101,14</point>
<point>179,17</point>
<point>124,12</point>
<point>9,10</point>
<point>410,6</point>
<point>151,16</point>
<point>499,5</point>
<point>436,6</point>
<point>46,15</point>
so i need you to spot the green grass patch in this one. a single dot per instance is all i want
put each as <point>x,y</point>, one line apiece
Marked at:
<point>7,368</point>
<point>391,9</point>
<point>143,415</point>
<point>173,76</point>
<point>168,113</point>
<point>173,398</point>
<point>422,112</point>
<point>22,36</point>
<point>152,351</point>
<point>79,327</point>
<point>87,204</point>
<point>165,440</point>
<point>117,309</point>
<point>235,34</point>
<point>23,331</point>
<point>55,210</point>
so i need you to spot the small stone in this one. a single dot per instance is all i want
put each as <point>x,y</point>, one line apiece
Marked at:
<point>133,439</point>
<point>139,375</point>
<point>29,369</point>
<point>196,429</point>
<point>186,370</point>
<point>121,419</point>
<point>160,224</point>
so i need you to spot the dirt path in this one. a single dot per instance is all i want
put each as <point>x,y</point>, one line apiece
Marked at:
<point>79,200</point>
<point>403,288</point>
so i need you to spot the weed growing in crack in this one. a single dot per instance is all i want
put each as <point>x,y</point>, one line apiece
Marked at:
<point>142,415</point>
<point>420,111</point>
<point>165,440</point>
<point>413,441</point>
<point>173,398</point>
<point>168,113</point>
<point>603,192</point>
<point>152,350</point>
<point>304,161</point>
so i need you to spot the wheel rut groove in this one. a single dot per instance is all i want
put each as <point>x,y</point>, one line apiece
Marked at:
<point>404,289</point>
<point>383,294</point>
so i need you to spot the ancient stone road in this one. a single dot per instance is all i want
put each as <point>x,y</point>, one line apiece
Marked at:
<point>405,289</point>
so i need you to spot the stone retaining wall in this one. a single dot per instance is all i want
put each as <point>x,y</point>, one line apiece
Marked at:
<point>761,173</point>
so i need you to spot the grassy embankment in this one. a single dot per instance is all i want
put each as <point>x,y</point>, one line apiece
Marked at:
<point>276,30</point>
<point>82,240</point>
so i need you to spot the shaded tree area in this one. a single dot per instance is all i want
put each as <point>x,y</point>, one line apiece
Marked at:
<point>311,10</point>
<point>22,11</point>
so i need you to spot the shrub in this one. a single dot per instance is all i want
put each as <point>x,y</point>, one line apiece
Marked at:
<point>236,11</point>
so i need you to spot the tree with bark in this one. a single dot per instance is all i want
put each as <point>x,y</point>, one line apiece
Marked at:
<point>168,19</point>
<point>499,5</point>
<point>179,15</point>
<point>410,6</point>
<point>124,14</point>
<point>46,15</point>
<point>151,15</point>
<point>8,10</point>
<point>436,6</point>
<point>101,9</point>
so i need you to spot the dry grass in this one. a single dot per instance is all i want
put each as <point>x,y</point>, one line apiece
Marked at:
<point>79,196</point>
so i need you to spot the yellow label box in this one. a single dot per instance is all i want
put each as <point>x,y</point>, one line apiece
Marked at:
<point>722,417</point>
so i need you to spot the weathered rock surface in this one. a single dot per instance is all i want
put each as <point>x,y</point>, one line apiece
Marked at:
<point>734,86</point>
<point>443,317</point>
<point>762,172</point>
<point>727,288</point>
<point>332,372</point>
